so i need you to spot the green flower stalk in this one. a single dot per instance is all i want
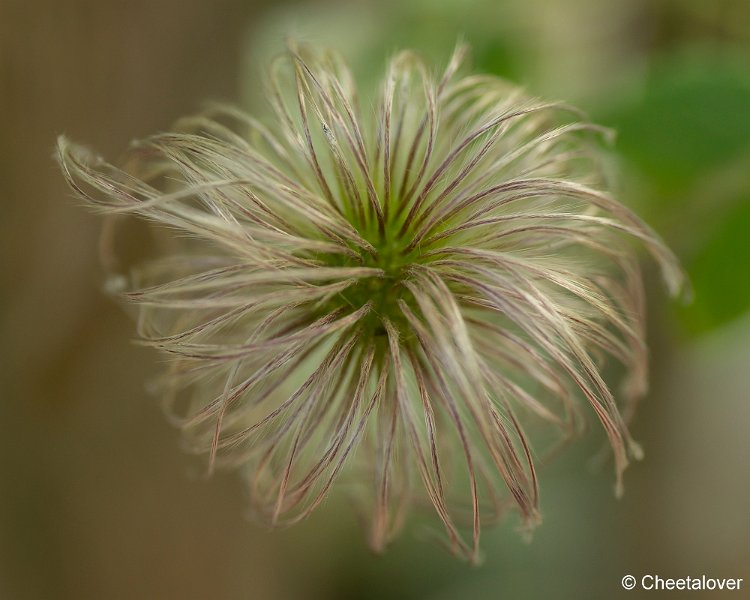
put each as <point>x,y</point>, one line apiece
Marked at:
<point>387,297</point>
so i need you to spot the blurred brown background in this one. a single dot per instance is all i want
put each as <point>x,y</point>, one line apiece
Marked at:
<point>96,499</point>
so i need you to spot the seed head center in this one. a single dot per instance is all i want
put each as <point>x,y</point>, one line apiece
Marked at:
<point>383,292</point>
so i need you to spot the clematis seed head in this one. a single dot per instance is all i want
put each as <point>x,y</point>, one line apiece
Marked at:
<point>388,297</point>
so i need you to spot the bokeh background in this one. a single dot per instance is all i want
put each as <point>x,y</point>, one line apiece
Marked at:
<point>97,501</point>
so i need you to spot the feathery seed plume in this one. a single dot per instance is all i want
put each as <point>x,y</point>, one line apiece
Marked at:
<point>389,296</point>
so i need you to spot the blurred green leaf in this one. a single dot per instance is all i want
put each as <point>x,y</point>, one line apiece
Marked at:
<point>689,121</point>
<point>497,56</point>
<point>720,273</point>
